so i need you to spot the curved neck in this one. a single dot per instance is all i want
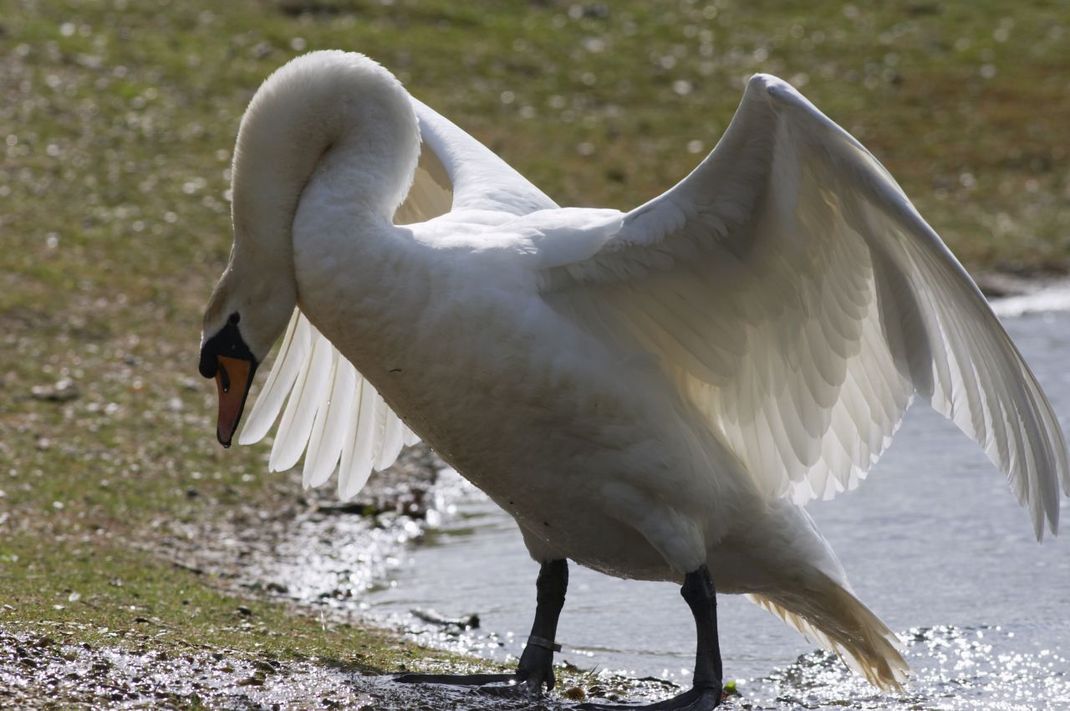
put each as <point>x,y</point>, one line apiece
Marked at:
<point>334,111</point>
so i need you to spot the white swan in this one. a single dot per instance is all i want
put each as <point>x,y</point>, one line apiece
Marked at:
<point>651,394</point>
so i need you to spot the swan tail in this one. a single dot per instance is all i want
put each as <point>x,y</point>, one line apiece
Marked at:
<point>828,614</point>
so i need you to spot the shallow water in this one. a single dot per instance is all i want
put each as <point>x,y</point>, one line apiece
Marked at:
<point>933,542</point>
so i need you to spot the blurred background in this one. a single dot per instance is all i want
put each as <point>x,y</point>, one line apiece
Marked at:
<point>117,121</point>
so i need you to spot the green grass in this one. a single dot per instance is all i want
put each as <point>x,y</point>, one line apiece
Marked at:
<point>116,125</point>
<point>108,594</point>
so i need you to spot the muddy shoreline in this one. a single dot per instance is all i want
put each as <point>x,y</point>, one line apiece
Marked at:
<point>38,671</point>
<point>315,553</point>
<point>255,552</point>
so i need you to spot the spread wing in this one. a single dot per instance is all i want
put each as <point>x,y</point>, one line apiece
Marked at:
<point>330,413</point>
<point>799,302</point>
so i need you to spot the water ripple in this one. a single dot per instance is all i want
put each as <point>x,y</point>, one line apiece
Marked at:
<point>953,669</point>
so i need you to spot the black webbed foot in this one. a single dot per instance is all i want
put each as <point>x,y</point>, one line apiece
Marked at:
<point>536,668</point>
<point>456,679</point>
<point>701,597</point>
<point>698,699</point>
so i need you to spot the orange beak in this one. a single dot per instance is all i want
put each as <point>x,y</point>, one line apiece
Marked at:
<point>233,379</point>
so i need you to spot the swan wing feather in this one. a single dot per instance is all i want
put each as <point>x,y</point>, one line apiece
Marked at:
<point>330,414</point>
<point>799,302</point>
<point>457,172</point>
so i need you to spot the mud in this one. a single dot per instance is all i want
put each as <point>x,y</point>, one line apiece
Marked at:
<point>38,672</point>
<point>311,549</point>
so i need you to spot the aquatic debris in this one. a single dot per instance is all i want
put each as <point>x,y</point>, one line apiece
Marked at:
<point>465,622</point>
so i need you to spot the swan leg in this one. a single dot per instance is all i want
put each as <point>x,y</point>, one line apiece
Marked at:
<point>535,669</point>
<point>705,691</point>
<point>536,666</point>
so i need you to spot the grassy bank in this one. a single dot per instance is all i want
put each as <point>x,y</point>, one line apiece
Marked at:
<point>116,122</point>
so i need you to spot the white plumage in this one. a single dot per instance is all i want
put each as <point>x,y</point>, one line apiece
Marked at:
<point>333,415</point>
<point>645,392</point>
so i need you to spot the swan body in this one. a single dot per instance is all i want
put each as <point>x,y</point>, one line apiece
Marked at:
<point>647,393</point>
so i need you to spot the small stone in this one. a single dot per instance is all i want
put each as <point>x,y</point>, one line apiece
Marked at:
<point>62,390</point>
<point>254,680</point>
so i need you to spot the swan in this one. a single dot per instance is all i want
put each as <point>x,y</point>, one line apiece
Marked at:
<point>653,394</point>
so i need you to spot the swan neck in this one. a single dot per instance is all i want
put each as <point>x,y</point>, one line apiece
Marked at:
<point>326,112</point>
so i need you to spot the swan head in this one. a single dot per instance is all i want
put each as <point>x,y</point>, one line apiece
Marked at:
<point>247,313</point>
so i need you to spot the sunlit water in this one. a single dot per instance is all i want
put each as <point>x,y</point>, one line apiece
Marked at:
<point>933,542</point>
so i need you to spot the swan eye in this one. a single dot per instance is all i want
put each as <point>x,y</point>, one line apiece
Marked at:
<point>227,342</point>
